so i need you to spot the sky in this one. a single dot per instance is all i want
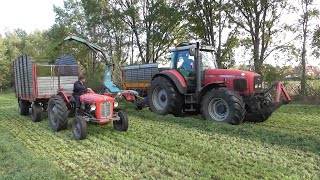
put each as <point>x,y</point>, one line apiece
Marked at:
<point>29,15</point>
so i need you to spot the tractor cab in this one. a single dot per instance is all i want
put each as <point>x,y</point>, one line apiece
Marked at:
<point>184,58</point>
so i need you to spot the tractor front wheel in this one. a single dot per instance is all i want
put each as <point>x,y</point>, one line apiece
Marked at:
<point>223,105</point>
<point>36,112</point>
<point>79,128</point>
<point>164,98</point>
<point>58,113</point>
<point>266,109</point>
<point>122,123</point>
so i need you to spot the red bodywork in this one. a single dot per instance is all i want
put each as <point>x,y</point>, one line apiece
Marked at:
<point>228,75</point>
<point>127,96</point>
<point>97,100</point>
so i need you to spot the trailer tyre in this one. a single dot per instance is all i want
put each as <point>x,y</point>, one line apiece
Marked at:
<point>36,112</point>
<point>164,98</point>
<point>123,123</point>
<point>223,105</point>
<point>79,128</point>
<point>24,107</point>
<point>58,113</point>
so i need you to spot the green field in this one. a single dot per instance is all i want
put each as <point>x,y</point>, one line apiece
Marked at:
<point>287,146</point>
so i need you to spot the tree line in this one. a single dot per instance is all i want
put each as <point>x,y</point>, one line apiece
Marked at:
<point>141,31</point>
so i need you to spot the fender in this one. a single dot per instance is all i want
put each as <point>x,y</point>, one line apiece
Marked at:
<point>176,78</point>
<point>212,85</point>
<point>64,97</point>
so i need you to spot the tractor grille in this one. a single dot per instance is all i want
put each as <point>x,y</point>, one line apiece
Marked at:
<point>240,84</point>
<point>105,109</point>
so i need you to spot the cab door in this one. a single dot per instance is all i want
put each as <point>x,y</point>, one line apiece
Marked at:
<point>185,66</point>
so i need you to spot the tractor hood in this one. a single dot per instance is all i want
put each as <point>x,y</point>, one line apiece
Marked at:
<point>245,82</point>
<point>229,73</point>
<point>92,98</point>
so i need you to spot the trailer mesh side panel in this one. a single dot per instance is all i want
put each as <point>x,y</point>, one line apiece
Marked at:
<point>140,73</point>
<point>67,70</point>
<point>22,68</point>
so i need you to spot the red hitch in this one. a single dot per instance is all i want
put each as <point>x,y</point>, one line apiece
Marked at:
<point>281,89</point>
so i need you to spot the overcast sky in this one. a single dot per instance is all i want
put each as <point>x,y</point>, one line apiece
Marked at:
<point>29,15</point>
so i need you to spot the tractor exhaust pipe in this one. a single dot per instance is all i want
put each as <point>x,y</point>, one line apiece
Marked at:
<point>198,70</point>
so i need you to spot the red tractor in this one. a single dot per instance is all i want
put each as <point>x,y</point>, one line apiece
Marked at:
<point>49,87</point>
<point>195,84</point>
<point>96,108</point>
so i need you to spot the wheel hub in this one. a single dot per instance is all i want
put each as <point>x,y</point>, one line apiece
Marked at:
<point>159,98</point>
<point>218,109</point>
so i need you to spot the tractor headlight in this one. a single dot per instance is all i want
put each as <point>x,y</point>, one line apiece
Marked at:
<point>116,104</point>
<point>93,107</point>
<point>256,86</point>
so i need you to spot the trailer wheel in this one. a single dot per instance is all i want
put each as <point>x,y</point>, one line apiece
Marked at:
<point>223,105</point>
<point>58,113</point>
<point>267,109</point>
<point>164,98</point>
<point>79,128</point>
<point>36,112</point>
<point>24,107</point>
<point>122,124</point>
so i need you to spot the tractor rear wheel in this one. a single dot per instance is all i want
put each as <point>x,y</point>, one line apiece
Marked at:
<point>164,98</point>
<point>36,112</point>
<point>223,105</point>
<point>24,107</point>
<point>58,113</point>
<point>267,108</point>
<point>122,123</point>
<point>79,128</point>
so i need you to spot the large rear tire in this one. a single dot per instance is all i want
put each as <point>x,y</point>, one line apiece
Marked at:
<point>79,128</point>
<point>223,105</point>
<point>58,113</point>
<point>123,123</point>
<point>36,112</point>
<point>164,98</point>
<point>24,107</point>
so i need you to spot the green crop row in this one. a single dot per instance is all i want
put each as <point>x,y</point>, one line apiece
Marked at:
<point>287,146</point>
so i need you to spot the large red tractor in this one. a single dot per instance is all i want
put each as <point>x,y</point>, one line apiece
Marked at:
<point>195,84</point>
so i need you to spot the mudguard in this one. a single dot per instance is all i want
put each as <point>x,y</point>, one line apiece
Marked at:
<point>176,78</point>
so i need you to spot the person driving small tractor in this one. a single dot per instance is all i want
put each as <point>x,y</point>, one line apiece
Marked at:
<point>79,89</point>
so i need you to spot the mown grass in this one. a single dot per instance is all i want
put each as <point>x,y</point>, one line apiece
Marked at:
<point>19,162</point>
<point>287,146</point>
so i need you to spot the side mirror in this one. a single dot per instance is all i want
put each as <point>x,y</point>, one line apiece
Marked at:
<point>192,51</point>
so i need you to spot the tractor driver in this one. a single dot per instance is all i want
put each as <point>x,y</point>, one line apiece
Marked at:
<point>185,62</point>
<point>79,89</point>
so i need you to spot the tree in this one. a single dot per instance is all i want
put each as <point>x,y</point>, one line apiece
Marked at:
<point>259,20</point>
<point>208,20</point>
<point>5,66</point>
<point>316,42</point>
<point>307,14</point>
<point>154,24</point>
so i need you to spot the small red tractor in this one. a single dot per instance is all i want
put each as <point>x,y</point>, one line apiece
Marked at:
<point>194,84</point>
<point>43,87</point>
